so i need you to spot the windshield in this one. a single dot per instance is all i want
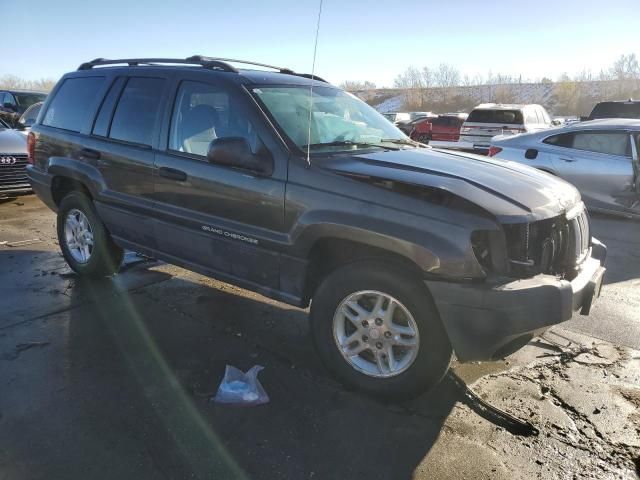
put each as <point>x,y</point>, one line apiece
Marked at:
<point>25,100</point>
<point>339,120</point>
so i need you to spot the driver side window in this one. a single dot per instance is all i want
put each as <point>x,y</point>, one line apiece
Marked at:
<point>203,113</point>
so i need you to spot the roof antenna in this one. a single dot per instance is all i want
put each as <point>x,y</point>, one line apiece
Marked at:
<point>313,71</point>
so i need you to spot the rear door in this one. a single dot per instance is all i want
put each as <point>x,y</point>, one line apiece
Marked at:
<point>122,142</point>
<point>213,217</point>
<point>598,163</point>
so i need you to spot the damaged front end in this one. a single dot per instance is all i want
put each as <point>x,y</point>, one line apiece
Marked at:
<point>553,246</point>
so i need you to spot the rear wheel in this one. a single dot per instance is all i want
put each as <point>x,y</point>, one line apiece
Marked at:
<point>376,328</point>
<point>86,244</point>
<point>424,138</point>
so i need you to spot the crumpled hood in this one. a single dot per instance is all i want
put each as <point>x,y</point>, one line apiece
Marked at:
<point>12,141</point>
<point>510,191</point>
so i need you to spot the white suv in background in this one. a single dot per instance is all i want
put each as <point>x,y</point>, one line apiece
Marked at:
<point>491,119</point>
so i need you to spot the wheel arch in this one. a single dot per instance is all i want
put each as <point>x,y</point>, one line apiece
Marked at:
<point>332,252</point>
<point>71,174</point>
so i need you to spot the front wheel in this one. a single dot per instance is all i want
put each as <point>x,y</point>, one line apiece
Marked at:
<point>377,330</point>
<point>85,242</point>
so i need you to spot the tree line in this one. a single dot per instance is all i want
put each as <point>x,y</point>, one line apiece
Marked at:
<point>442,89</point>
<point>14,82</point>
<point>626,67</point>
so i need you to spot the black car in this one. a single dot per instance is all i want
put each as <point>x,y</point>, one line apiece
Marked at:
<point>616,109</point>
<point>13,103</point>
<point>309,196</point>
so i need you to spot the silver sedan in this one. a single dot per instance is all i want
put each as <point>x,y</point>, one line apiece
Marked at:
<point>599,157</point>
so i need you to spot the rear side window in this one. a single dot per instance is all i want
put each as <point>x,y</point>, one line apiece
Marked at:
<point>496,116</point>
<point>135,116</point>
<point>73,102</point>
<point>562,140</point>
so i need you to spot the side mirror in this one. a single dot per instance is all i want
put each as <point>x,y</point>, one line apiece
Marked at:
<point>235,152</point>
<point>9,106</point>
<point>531,154</point>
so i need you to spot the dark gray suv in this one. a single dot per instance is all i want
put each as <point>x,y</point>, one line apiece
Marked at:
<point>293,188</point>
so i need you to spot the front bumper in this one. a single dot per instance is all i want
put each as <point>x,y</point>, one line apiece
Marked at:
<point>494,319</point>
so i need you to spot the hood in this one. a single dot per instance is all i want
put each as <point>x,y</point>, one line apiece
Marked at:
<point>510,191</point>
<point>12,141</point>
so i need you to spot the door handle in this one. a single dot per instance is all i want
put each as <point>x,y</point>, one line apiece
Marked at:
<point>173,174</point>
<point>88,154</point>
<point>568,160</point>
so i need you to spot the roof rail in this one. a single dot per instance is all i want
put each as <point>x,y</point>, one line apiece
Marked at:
<point>202,58</point>
<point>132,62</point>
<point>207,62</point>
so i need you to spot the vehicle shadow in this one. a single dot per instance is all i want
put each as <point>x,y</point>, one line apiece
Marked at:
<point>143,365</point>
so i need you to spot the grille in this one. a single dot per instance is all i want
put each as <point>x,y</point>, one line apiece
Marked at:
<point>13,172</point>
<point>554,246</point>
<point>581,235</point>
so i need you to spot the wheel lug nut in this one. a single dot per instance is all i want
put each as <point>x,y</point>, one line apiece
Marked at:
<point>378,321</point>
<point>387,334</point>
<point>365,323</point>
<point>379,345</point>
<point>365,338</point>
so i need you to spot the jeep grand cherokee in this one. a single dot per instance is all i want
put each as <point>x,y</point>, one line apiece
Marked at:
<point>406,254</point>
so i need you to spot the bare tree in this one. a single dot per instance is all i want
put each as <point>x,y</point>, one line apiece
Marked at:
<point>355,85</point>
<point>447,76</point>
<point>410,78</point>
<point>626,68</point>
<point>13,81</point>
<point>428,77</point>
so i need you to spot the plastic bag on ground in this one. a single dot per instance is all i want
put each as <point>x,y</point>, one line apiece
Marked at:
<point>243,389</point>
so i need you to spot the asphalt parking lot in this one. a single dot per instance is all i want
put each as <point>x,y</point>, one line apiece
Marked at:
<point>112,379</point>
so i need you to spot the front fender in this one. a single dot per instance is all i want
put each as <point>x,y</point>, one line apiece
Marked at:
<point>442,250</point>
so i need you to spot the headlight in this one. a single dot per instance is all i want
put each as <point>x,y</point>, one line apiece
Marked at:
<point>489,248</point>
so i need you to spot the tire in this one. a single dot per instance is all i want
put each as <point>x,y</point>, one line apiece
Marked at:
<point>104,256</point>
<point>424,139</point>
<point>423,368</point>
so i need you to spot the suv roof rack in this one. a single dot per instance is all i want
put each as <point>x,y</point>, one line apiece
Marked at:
<point>213,63</point>
<point>134,62</point>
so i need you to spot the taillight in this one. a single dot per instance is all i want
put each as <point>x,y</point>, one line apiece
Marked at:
<point>494,150</point>
<point>31,148</point>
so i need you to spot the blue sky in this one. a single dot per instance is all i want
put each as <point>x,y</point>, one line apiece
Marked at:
<point>359,40</point>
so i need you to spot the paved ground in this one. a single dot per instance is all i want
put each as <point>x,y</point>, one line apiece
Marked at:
<point>111,379</point>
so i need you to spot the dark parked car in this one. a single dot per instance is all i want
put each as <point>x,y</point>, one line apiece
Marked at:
<point>408,253</point>
<point>618,109</point>
<point>13,161</point>
<point>13,103</point>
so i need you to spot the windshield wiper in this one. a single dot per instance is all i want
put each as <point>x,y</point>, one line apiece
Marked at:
<point>344,143</point>
<point>400,141</point>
